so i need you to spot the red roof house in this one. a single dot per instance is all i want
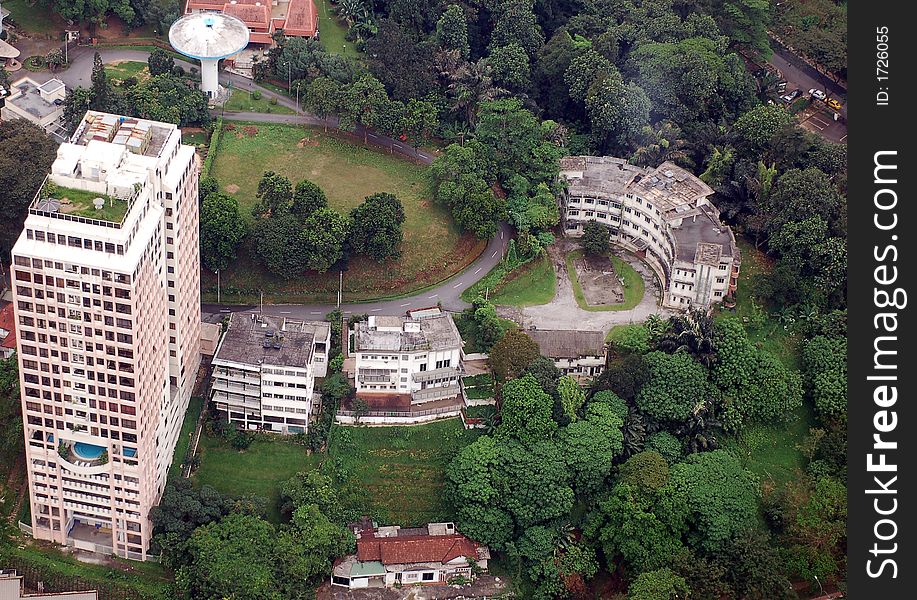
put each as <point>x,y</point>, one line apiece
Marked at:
<point>7,330</point>
<point>295,18</point>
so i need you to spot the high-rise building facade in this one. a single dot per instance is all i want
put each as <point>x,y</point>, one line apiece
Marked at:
<point>106,279</point>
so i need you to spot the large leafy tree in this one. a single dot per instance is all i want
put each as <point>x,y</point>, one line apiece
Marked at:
<point>376,227</point>
<point>170,99</point>
<point>305,551</point>
<point>160,62</point>
<point>661,584</point>
<point>722,497</point>
<point>595,238</point>
<point>824,363</point>
<point>676,388</point>
<point>402,64</point>
<point>231,558</point>
<point>323,97</point>
<point>452,30</point>
<point>756,385</point>
<point>275,192</point>
<point>362,103</point>
<point>222,229</point>
<point>510,356</point>
<point>322,239</point>
<point>307,198</point>
<point>591,445</point>
<point>26,154</point>
<point>460,179</point>
<point>526,411</point>
<point>277,245</point>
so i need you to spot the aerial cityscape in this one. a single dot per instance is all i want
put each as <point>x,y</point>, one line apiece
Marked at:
<point>423,299</point>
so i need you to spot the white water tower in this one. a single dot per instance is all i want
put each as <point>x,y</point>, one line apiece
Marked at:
<point>208,37</point>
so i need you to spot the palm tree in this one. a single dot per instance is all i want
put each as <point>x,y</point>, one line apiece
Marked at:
<point>699,432</point>
<point>471,85</point>
<point>351,10</point>
<point>634,431</point>
<point>664,143</point>
<point>692,333</point>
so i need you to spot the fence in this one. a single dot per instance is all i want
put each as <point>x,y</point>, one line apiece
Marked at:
<point>395,417</point>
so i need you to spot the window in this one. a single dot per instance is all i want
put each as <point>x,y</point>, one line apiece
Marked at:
<point>427,576</point>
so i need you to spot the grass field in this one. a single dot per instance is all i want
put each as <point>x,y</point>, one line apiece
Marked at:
<point>401,469</point>
<point>34,16</point>
<point>532,284</point>
<point>195,405</point>
<point>194,138</point>
<point>433,248</point>
<point>618,330</point>
<point>117,72</point>
<point>242,101</point>
<point>634,286</point>
<point>259,470</point>
<point>333,32</point>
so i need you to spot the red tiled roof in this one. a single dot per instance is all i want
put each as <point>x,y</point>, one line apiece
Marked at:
<point>302,18</point>
<point>8,322</point>
<point>252,15</point>
<point>257,37</point>
<point>415,549</point>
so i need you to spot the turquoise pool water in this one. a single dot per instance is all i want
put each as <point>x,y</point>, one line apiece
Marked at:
<point>130,452</point>
<point>87,451</point>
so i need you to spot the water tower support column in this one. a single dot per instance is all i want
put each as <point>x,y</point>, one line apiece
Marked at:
<point>209,77</point>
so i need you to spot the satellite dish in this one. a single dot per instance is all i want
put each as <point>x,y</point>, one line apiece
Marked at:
<point>51,205</point>
<point>99,203</point>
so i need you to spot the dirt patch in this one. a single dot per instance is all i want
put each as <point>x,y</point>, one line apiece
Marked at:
<point>599,281</point>
<point>426,204</point>
<point>250,130</point>
<point>232,188</point>
<point>307,142</point>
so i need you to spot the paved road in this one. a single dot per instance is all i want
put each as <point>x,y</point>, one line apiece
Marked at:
<point>447,293</point>
<point>802,76</point>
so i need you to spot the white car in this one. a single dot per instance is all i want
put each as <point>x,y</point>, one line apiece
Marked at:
<point>817,94</point>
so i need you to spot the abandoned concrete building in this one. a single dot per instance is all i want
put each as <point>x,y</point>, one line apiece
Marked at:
<point>664,215</point>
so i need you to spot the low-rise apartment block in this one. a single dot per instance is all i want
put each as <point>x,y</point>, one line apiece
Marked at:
<point>663,215</point>
<point>38,103</point>
<point>106,279</point>
<point>264,371</point>
<point>581,354</point>
<point>417,356</point>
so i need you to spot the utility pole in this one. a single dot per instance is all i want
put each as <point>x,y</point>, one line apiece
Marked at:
<point>262,303</point>
<point>218,286</point>
<point>340,288</point>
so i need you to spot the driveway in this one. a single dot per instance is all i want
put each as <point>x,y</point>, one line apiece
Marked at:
<point>564,313</point>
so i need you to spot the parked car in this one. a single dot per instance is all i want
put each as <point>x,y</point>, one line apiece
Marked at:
<point>817,94</point>
<point>791,96</point>
<point>831,102</point>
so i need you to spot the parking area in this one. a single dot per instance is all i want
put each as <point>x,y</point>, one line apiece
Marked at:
<point>822,123</point>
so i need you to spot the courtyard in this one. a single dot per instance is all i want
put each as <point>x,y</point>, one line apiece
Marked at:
<point>433,247</point>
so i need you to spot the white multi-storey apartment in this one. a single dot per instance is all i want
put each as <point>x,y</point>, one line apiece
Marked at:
<point>417,356</point>
<point>106,279</point>
<point>264,371</point>
<point>664,215</point>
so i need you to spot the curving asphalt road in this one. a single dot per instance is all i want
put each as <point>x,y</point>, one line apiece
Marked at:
<point>448,293</point>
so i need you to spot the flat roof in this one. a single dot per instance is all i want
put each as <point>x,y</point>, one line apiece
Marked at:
<point>403,334</point>
<point>266,339</point>
<point>702,239</point>
<point>30,100</point>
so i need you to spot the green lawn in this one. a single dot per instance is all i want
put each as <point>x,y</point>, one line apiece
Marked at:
<point>194,138</point>
<point>633,284</point>
<point>433,248</point>
<point>80,203</point>
<point>195,405</point>
<point>34,16</point>
<point>532,284</point>
<point>333,32</point>
<point>772,451</point>
<point>259,470</point>
<point>619,330</point>
<point>401,470</point>
<point>242,101</point>
<point>120,71</point>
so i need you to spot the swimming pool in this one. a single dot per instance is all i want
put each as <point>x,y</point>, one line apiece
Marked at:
<point>87,451</point>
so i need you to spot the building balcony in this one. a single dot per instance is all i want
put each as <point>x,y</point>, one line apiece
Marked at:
<point>444,373</point>
<point>435,393</point>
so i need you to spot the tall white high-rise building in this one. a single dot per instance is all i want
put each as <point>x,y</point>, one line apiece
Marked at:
<point>106,279</point>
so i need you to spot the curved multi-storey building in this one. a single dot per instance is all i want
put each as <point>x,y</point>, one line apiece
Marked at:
<point>663,215</point>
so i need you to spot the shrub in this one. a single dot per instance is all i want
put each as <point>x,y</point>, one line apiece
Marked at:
<point>256,95</point>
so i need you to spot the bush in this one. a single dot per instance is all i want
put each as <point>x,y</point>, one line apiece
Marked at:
<point>665,444</point>
<point>256,95</point>
<point>272,101</point>
<point>214,144</point>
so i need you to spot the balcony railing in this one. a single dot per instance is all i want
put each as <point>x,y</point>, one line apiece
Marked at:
<point>436,392</point>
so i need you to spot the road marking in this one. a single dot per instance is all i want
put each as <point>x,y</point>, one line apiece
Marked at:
<point>478,271</point>
<point>844,138</point>
<point>433,296</point>
<point>372,135</point>
<point>405,304</point>
<point>284,312</point>
<point>501,234</point>
<point>225,310</point>
<point>375,310</point>
<point>494,254</point>
<point>456,285</point>
<point>315,312</point>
